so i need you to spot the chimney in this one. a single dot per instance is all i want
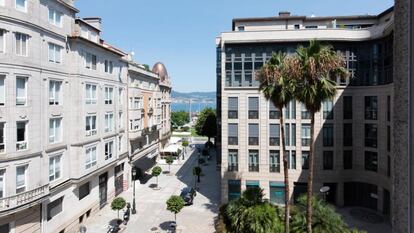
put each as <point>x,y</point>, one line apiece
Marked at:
<point>284,13</point>
<point>94,21</point>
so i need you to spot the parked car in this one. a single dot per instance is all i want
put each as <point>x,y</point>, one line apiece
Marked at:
<point>188,194</point>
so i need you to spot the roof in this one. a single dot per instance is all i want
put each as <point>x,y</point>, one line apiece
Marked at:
<point>79,20</point>
<point>295,17</point>
<point>103,45</point>
<point>72,8</point>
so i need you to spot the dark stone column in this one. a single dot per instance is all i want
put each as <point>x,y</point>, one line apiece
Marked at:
<point>403,162</point>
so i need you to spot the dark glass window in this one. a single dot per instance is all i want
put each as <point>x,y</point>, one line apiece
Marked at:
<point>305,160</point>
<point>274,135</point>
<point>305,114</point>
<point>233,134</point>
<point>291,159</point>
<point>253,160</point>
<point>388,166</point>
<point>274,161</point>
<point>233,164</point>
<point>371,161</point>
<point>388,138</point>
<point>328,135</point>
<point>273,111</point>
<point>84,190</point>
<point>371,108</point>
<point>306,134</point>
<point>290,134</point>
<point>348,159</point>
<point>234,189</point>
<point>253,108</point>
<point>371,135</point>
<point>347,134</point>
<point>328,110</point>
<point>328,160</point>
<point>233,108</point>
<point>54,208</point>
<point>347,107</point>
<point>254,134</point>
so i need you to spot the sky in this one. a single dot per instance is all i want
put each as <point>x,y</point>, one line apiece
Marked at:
<point>181,33</point>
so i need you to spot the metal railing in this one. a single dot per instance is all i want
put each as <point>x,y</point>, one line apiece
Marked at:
<point>23,198</point>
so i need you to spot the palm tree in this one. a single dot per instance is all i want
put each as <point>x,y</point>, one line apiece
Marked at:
<point>277,86</point>
<point>313,67</point>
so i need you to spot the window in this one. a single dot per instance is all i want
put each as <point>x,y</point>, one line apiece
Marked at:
<point>120,96</point>
<point>305,114</point>
<point>388,108</point>
<point>371,135</point>
<point>90,94</point>
<point>327,160</point>
<point>348,159</point>
<point>2,41</point>
<point>2,133</point>
<point>21,90</point>
<point>84,190</point>
<point>291,159</point>
<point>347,107</point>
<point>306,134</point>
<point>240,28</point>
<point>90,61</point>
<point>328,109</point>
<point>2,183</point>
<point>290,134</point>
<point>348,134</point>
<point>21,44</point>
<point>109,95</point>
<point>371,161</point>
<point>233,164</point>
<point>254,134</point>
<point>136,102</point>
<point>388,166</point>
<point>90,157</point>
<point>55,92</point>
<point>233,134</point>
<point>21,5</point>
<point>297,26</point>
<point>253,108</point>
<point>253,160</point>
<point>273,111</point>
<point>371,107</point>
<point>109,150</point>
<point>55,130</point>
<point>109,67</point>
<point>55,167</point>
<point>277,192</point>
<point>90,125</point>
<point>55,17</point>
<point>55,53</point>
<point>274,134</point>
<point>274,161</point>
<point>120,120</point>
<point>21,179</point>
<point>290,110</point>
<point>120,143</point>
<point>305,160</point>
<point>233,108</point>
<point>328,135</point>
<point>21,142</point>
<point>234,189</point>
<point>54,208</point>
<point>109,122</point>
<point>2,90</point>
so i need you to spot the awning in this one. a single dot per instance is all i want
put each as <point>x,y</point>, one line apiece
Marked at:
<point>173,148</point>
<point>174,140</point>
<point>152,154</point>
<point>252,183</point>
<point>277,184</point>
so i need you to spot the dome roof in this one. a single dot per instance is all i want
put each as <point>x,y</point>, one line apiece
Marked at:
<point>160,69</point>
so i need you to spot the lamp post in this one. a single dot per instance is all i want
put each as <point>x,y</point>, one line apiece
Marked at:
<point>134,176</point>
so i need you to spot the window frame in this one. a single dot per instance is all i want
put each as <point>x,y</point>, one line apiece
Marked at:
<point>18,37</point>
<point>55,14</point>
<point>109,122</point>
<point>23,144</point>
<point>109,149</point>
<point>54,158</point>
<point>92,131</point>
<point>93,159</point>
<point>19,102</point>
<point>57,132</point>
<point>24,9</point>
<point>22,188</point>
<point>56,99</point>
<point>93,93</point>
<point>109,95</point>
<point>56,51</point>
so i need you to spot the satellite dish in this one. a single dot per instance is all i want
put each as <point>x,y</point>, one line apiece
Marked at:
<point>132,53</point>
<point>324,189</point>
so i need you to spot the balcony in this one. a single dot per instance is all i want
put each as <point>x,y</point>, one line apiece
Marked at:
<point>233,168</point>
<point>274,168</point>
<point>18,200</point>
<point>233,140</point>
<point>146,131</point>
<point>254,168</point>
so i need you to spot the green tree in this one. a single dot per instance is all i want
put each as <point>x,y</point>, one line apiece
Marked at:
<point>146,66</point>
<point>278,87</point>
<point>206,124</point>
<point>251,214</point>
<point>179,118</point>
<point>313,67</point>
<point>169,160</point>
<point>118,204</point>
<point>324,219</point>
<point>197,172</point>
<point>156,171</point>
<point>174,205</point>
<point>185,143</point>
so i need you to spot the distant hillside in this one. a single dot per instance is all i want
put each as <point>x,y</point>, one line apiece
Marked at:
<point>193,95</point>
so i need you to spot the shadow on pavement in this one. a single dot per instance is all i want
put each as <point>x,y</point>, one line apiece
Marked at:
<point>166,225</point>
<point>144,178</point>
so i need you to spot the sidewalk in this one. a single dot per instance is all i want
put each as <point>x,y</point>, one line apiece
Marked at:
<point>152,215</point>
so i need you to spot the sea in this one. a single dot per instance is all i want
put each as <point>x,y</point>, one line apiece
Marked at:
<point>195,106</point>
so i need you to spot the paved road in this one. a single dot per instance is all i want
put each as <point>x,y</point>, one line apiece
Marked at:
<point>152,215</point>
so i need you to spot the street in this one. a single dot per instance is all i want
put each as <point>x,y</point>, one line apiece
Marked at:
<point>152,215</point>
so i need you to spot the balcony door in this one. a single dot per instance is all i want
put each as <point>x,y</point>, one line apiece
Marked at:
<point>103,190</point>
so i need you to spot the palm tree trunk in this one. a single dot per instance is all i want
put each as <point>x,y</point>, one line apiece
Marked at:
<point>310,177</point>
<point>285,170</point>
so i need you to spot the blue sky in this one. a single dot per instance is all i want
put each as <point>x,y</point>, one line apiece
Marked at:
<point>181,33</point>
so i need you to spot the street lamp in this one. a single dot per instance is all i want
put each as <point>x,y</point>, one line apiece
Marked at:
<point>325,191</point>
<point>134,177</point>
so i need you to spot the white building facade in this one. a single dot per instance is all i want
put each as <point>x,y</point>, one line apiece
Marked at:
<point>64,106</point>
